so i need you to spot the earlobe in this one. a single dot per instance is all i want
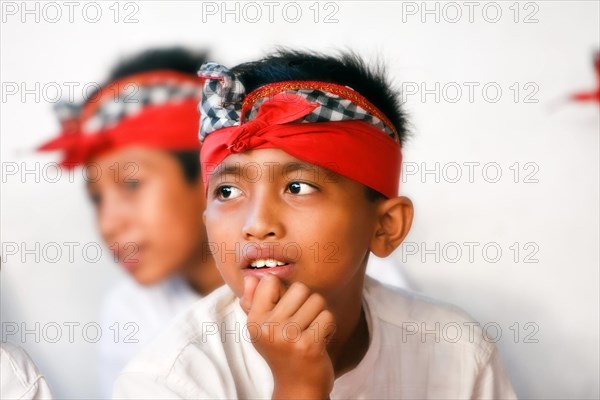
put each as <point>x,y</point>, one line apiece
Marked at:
<point>394,220</point>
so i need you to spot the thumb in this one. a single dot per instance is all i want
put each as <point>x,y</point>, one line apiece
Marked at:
<point>250,283</point>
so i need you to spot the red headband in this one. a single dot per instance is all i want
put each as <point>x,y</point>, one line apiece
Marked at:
<point>355,149</point>
<point>161,112</point>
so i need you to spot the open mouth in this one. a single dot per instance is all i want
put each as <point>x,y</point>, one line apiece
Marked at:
<point>266,263</point>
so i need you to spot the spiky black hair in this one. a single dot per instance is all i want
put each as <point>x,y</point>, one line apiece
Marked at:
<point>175,59</point>
<point>346,69</point>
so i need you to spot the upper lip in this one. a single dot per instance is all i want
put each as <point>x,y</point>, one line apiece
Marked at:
<point>267,254</point>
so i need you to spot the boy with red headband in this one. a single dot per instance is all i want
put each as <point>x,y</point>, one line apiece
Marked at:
<point>137,136</point>
<point>301,154</point>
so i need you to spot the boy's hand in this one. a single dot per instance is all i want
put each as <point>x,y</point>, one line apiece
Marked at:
<point>290,329</point>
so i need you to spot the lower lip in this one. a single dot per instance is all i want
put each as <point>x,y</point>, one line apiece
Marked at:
<point>282,272</point>
<point>132,261</point>
<point>130,266</point>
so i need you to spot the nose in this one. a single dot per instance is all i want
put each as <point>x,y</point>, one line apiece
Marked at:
<point>264,219</point>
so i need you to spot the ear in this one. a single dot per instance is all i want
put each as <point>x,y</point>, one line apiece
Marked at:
<point>394,218</point>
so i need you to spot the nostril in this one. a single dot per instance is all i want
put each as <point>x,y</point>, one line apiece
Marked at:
<point>261,222</point>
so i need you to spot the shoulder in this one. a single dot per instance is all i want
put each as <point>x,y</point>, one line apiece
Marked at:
<point>126,291</point>
<point>186,358</point>
<point>133,292</point>
<point>128,297</point>
<point>190,331</point>
<point>18,360</point>
<point>20,376</point>
<point>419,320</point>
<point>397,305</point>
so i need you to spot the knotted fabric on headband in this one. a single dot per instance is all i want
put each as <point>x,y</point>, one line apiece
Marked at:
<point>154,109</point>
<point>324,124</point>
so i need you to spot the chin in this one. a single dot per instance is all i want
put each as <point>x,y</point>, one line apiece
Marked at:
<point>149,277</point>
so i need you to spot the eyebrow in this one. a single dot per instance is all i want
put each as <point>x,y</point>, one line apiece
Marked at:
<point>299,166</point>
<point>287,168</point>
<point>316,170</point>
<point>225,169</point>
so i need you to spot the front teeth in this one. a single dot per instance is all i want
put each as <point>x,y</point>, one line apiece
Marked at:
<point>269,263</point>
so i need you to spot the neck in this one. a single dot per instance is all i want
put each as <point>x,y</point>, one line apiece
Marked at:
<point>351,338</point>
<point>202,275</point>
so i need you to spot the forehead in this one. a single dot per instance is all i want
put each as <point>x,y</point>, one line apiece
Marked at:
<point>143,156</point>
<point>127,162</point>
<point>258,164</point>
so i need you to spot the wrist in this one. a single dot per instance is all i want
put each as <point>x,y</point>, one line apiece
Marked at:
<point>298,390</point>
<point>295,387</point>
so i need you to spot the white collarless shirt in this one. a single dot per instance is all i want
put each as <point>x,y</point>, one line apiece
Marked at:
<point>19,377</point>
<point>132,316</point>
<point>207,354</point>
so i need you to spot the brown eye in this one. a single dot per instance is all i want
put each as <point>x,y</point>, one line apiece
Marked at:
<point>295,187</point>
<point>227,192</point>
<point>131,184</point>
<point>95,198</point>
<point>300,188</point>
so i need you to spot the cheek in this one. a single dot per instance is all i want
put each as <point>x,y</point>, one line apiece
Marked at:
<point>224,237</point>
<point>223,224</point>
<point>223,242</point>
<point>171,218</point>
<point>212,226</point>
<point>337,236</point>
<point>327,224</point>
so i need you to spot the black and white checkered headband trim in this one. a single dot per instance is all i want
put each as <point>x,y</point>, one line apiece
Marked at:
<point>333,108</point>
<point>223,93</point>
<point>131,100</point>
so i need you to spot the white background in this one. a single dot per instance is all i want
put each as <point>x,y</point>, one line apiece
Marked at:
<point>558,214</point>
